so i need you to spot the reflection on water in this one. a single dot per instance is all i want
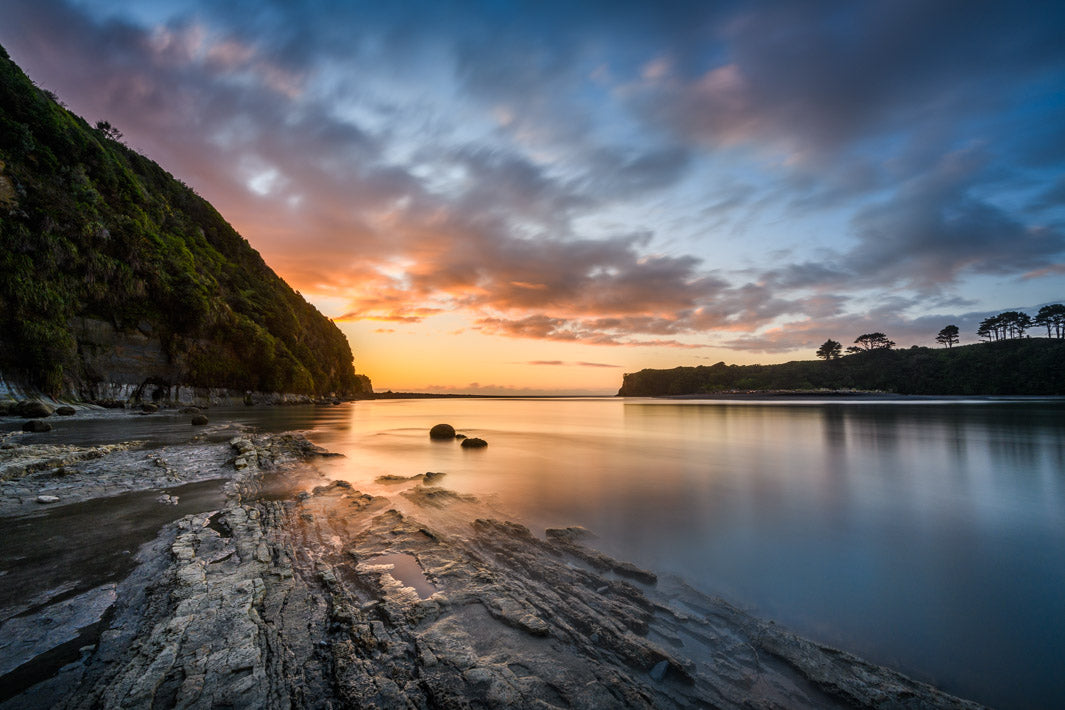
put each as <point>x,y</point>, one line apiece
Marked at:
<point>929,536</point>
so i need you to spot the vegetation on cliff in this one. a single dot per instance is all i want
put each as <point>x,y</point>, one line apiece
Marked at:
<point>1031,366</point>
<point>92,229</point>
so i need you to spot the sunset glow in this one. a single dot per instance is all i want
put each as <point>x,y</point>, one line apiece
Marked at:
<point>536,198</point>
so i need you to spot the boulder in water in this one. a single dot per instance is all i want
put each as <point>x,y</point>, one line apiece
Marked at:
<point>474,443</point>
<point>66,411</point>
<point>198,420</point>
<point>32,409</point>
<point>442,431</point>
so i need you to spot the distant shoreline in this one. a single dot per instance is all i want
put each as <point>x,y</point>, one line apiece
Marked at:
<point>864,396</point>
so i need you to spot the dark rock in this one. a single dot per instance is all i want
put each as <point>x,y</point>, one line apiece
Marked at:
<point>189,410</point>
<point>149,408</point>
<point>199,420</point>
<point>65,411</point>
<point>31,409</point>
<point>36,426</point>
<point>442,431</point>
<point>474,443</point>
<point>460,436</point>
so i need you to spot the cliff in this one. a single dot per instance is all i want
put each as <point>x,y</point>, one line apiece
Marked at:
<point>1008,367</point>
<point>115,276</point>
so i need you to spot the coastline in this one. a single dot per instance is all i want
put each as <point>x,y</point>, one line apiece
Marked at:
<point>274,598</point>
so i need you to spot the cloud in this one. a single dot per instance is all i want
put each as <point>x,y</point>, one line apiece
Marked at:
<point>595,172</point>
<point>560,363</point>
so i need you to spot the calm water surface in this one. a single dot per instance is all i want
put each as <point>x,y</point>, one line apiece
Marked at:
<point>929,536</point>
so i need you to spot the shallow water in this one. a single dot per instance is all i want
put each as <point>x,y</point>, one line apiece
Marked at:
<point>928,535</point>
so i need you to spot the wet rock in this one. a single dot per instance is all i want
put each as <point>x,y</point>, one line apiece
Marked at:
<point>189,410</point>
<point>44,629</point>
<point>442,431</point>
<point>66,411</point>
<point>474,443</point>
<point>47,499</point>
<point>148,408</point>
<point>20,461</point>
<point>569,541</point>
<point>428,478</point>
<point>391,479</point>
<point>36,426</point>
<point>199,420</point>
<point>32,409</point>
<point>167,499</point>
<point>436,497</point>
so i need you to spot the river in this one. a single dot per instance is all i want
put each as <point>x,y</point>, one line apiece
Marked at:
<point>926,535</point>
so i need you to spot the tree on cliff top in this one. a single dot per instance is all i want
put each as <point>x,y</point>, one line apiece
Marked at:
<point>948,336</point>
<point>1052,317</point>
<point>830,350</point>
<point>871,341</point>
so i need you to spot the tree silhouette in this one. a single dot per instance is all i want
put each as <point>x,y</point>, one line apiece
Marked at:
<point>108,130</point>
<point>1053,318</point>
<point>871,341</point>
<point>948,336</point>
<point>830,350</point>
<point>1005,326</point>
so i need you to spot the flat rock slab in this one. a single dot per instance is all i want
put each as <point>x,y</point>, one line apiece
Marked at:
<point>274,604</point>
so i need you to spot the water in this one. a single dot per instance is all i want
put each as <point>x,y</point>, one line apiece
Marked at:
<point>925,535</point>
<point>928,536</point>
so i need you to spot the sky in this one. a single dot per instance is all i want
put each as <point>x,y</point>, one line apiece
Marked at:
<point>536,197</point>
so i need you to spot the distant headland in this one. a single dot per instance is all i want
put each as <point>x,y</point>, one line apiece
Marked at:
<point>1028,366</point>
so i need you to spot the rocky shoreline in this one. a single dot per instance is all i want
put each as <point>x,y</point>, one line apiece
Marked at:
<point>330,597</point>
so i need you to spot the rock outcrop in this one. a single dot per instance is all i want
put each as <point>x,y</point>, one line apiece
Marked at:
<point>279,604</point>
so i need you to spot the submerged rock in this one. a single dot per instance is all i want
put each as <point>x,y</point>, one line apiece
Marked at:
<point>66,411</point>
<point>474,443</point>
<point>442,431</point>
<point>198,420</point>
<point>36,426</point>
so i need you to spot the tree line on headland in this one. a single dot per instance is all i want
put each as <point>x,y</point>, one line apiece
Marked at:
<point>1007,364</point>
<point>1007,325</point>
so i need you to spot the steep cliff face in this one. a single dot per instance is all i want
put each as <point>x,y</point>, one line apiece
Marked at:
<point>115,274</point>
